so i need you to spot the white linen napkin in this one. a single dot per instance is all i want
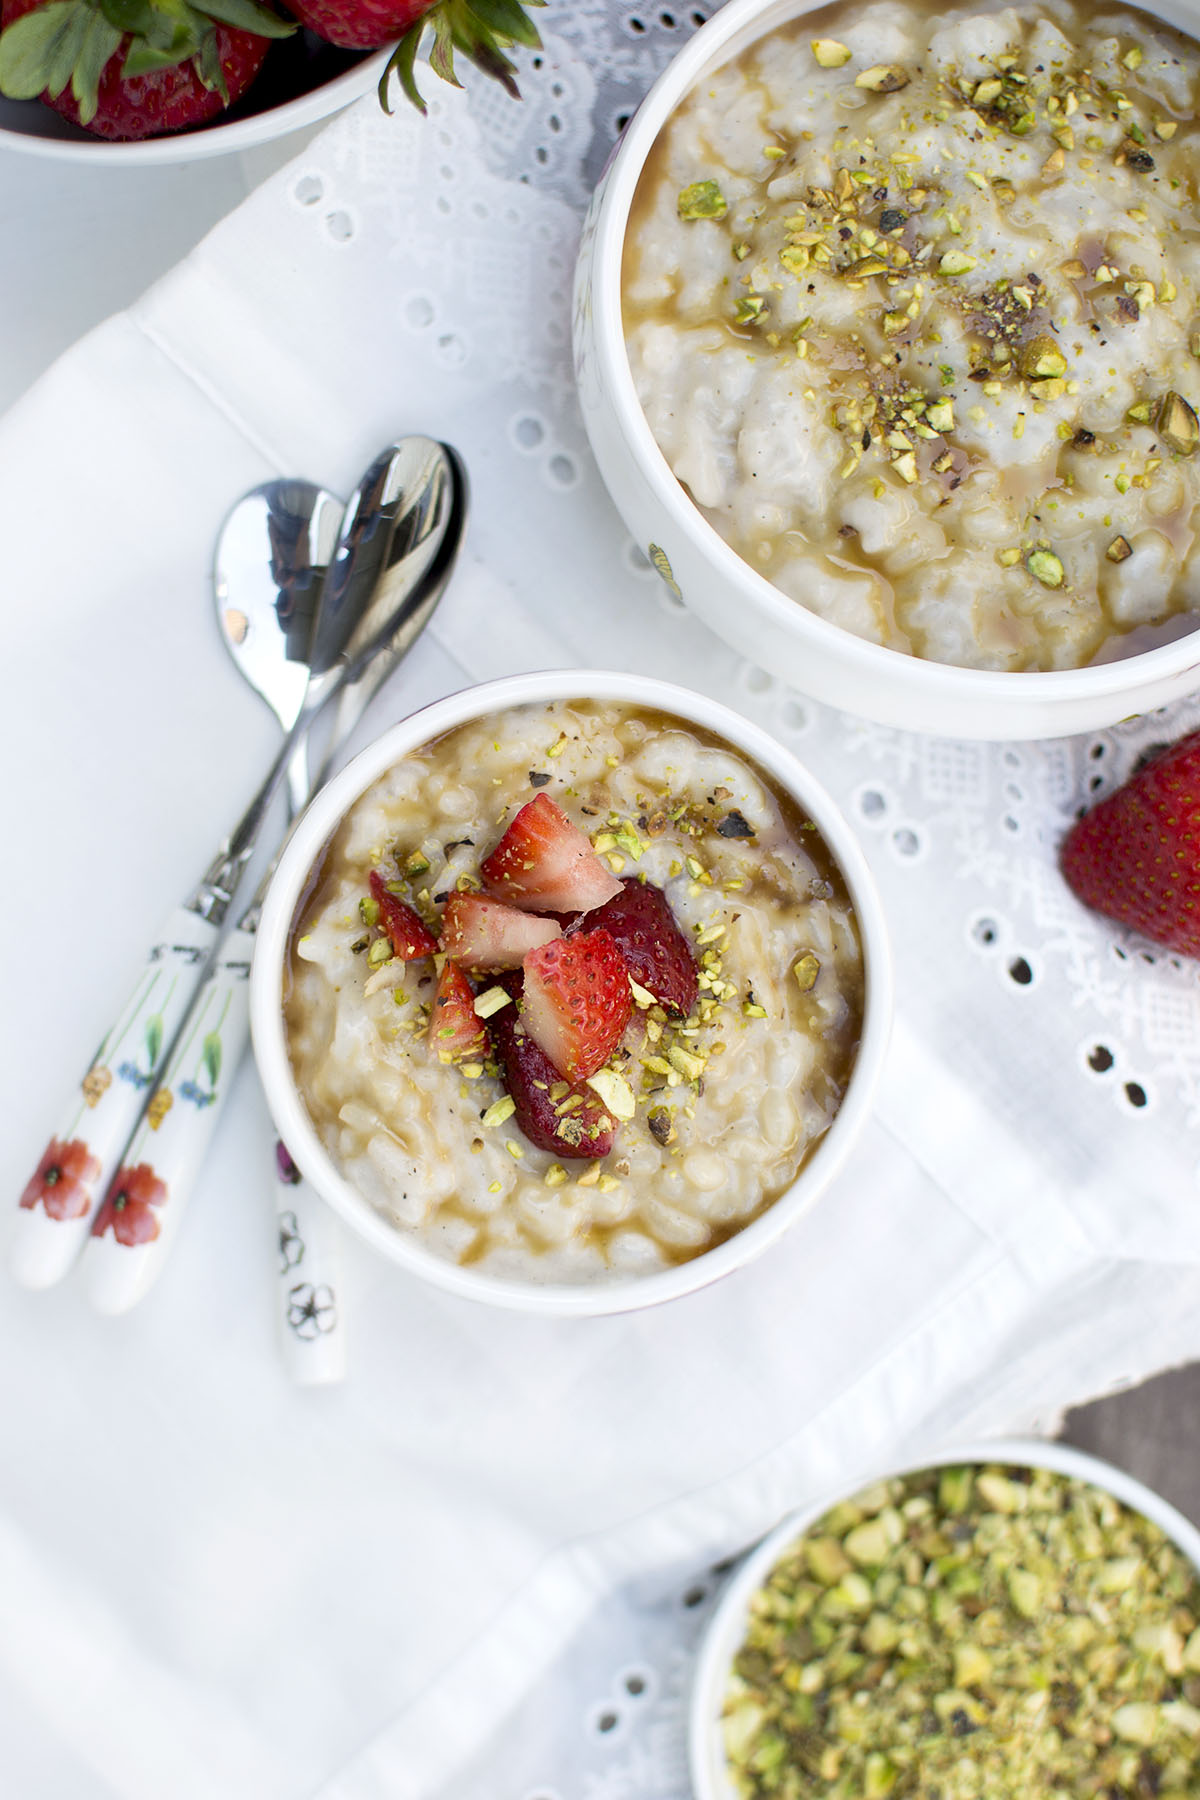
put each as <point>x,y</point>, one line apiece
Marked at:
<point>212,1583</point>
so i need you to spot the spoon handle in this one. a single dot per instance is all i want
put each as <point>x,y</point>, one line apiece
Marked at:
<point>312,1331</point>
<point>134,1230</point>
<point>79,1163</point>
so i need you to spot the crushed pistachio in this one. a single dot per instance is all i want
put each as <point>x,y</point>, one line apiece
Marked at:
<point>747,310</point>
<point>1045,567</point>
<point>806,971</point>
<point>1118,550</point>
<point>919,1640</point>
<point>499,1111</point>
<point>883,78</point>
<point>615,1092</point>
<point>702,200</point>
<point>1041,359</point>
<point>1176,425</point>
<point>490,1001</point>
<point>829,54</point>
<point>380,952</point>
<point>956,262</point>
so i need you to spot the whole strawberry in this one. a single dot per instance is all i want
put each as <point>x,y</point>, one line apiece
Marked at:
<point>482,30</point>
<point>126,69</point>
<point>1136,856</point>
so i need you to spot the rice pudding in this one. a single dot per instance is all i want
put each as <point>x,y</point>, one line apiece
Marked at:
<point>716,1090</point>
<point>910,304</point>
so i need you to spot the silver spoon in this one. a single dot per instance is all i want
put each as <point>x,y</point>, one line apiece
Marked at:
<point>272,555</point>
<point>410,511</point>
<point>78,1169</point>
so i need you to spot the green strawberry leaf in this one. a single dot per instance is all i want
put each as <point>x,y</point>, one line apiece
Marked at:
<point>101,42</point>
<point>507,19</point>
<point>65,52</point>
<point>208,66</point>
<point>136,16</point>
<point>441,56</point>
<point>248,15</point>
<point>29,48</point>
<point>401,63</point>
<point>143,58</point>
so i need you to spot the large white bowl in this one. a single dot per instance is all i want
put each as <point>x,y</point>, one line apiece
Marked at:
<point>313,833</point>
<point>727,1627</point>
<point>29,126</point>
<point>739,604</point>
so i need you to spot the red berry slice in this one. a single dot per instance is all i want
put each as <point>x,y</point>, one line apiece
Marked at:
<point>573,1125</point>
<point>576,1001</point>
<point>487,935</point>
<point>456,1032</point>
<point>543,863</point>
<point>409,936</point>
<point>643,927</point>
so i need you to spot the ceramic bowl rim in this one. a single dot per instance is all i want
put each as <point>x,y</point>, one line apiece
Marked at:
<point>724,1630</point>
<point>313,832</point>
<point>224,137</point>
<point>738,24</point>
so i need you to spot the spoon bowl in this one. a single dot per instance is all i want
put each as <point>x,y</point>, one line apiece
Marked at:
<point>271,559</point>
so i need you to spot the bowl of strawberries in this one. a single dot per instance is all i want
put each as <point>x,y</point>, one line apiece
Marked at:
<point>571,992</point>
<point>158,81</point>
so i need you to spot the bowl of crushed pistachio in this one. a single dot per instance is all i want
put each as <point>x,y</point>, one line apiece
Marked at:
<point>888,341</point>
<point>1018,1619</point>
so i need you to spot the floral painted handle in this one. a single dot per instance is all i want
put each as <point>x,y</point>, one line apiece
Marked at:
<point>311,1322</point>
<point>134,1229</point>
<point>80,1162</point>
<point>138,1222</point>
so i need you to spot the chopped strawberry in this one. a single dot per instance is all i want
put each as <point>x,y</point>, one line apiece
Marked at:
<point>584,1129</point>
<point>544,864</point>
<point>576,1001</point>
<point>642,925</point>
<point>1136,856</point>
<point>409,937</point>
<point>456,1032</point>
<point>486,934</point>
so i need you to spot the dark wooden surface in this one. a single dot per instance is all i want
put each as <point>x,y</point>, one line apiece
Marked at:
<point>1152,1431</point>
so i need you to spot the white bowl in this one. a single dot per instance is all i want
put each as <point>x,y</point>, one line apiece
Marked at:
<point>36,129</point>
<point>739,604</point>
<point>313,833</point>
<point>727,1627</point>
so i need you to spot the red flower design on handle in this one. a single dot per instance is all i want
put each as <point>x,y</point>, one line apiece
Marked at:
<point>129,1206</point>
<point>63,1180</point>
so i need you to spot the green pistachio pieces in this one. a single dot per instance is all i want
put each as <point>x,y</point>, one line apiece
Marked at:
<point>1177,425</point>
<point>1045,567</point>
<point>961,1632</point>
<point>884,78</point>
<point>829,54</point>
<point>806,971</point>
<point>703,200</point>
<point>1042,360</point>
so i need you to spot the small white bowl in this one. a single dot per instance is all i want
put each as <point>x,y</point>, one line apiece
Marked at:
<point>306,845</point>
<point>728,594</point>
<point>29,126</point>
<point>727,1627</point>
